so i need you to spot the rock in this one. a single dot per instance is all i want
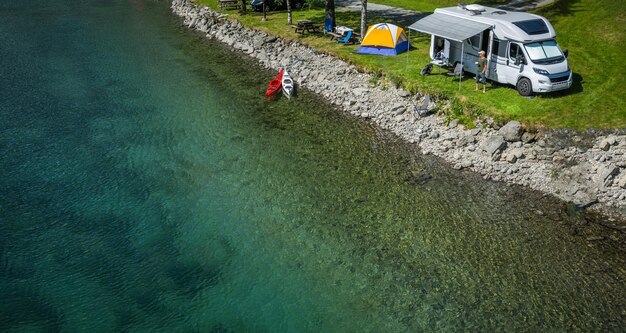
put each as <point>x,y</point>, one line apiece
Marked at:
<point>493,145</point>
<point>604,145</point>
<point>475,132</point>
<point>453,123</point>
<point>466,140</point>
<point>467,164</point>
<point>606,175</point>
<point>517,152</point>
<point>403,93</point>
<point>612,140</point>
<point>510,158</point>
<point>560,159</point>
<point>511,132</point>
<point>269,39</point>
<point>360,91</point>
<point>400,111</point>
<point>398,108</point>
<point>621,181</point>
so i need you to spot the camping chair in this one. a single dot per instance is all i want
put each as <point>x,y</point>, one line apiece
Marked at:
<point>328,25</point>
<point>421,108</point>
<point>458,70</point>
<point>345,39</point>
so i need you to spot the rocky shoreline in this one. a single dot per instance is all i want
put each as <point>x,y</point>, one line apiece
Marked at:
<point>589,172</point>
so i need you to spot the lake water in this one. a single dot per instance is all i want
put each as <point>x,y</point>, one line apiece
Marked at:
<point>148,187</point>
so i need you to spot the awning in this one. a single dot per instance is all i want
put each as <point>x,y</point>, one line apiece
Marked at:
<point>450,27</point>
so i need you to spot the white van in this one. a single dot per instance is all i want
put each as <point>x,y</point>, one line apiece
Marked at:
<point>520,47</point>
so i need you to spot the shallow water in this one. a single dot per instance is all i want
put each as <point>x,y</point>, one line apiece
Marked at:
<point>148,187</point>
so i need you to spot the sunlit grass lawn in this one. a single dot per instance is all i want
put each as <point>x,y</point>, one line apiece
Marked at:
<point>592,31</point>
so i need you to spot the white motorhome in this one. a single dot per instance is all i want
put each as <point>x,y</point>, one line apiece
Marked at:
<point>520,47</point>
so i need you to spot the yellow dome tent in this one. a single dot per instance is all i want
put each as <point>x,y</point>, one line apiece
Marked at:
<point>384,39</point>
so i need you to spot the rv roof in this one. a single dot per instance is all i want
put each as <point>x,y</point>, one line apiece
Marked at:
<point>490,13</point>
<point>506,23</point>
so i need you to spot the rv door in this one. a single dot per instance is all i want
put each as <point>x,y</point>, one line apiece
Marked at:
<point>498,60</point>
<point>514,63</point>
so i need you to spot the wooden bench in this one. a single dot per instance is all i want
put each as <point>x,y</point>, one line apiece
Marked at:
<point>230,4</point>
<point>333,35</point>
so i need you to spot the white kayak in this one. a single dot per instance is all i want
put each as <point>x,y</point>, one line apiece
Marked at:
<point>287,83</point>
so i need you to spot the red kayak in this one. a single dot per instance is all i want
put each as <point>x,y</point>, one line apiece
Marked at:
<point>275,85</point>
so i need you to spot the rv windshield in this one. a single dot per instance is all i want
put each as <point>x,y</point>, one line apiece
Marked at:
<point>546,52</point>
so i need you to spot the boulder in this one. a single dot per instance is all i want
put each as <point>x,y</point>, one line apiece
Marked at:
<point>604,145</point>
<point>606,175</point>
<point>511,132</point>
<point>528,137</point>
<point>493,145</point>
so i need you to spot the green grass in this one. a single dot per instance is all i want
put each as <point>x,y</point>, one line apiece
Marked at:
<point>593,31</point>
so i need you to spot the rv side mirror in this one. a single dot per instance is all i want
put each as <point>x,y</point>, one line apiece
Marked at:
<point>518,60</point>
<point>566,53</point>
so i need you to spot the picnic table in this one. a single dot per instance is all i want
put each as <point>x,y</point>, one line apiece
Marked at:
<point>230,4</point>
<point>341,31</point>
<point>303,26</point>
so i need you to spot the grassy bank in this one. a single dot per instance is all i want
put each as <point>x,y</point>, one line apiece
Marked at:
<point>592,31</point>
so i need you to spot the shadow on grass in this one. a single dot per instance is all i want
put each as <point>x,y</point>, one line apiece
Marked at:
<point>576,88</point>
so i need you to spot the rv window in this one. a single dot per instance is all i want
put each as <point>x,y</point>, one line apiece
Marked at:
<point>499,48</point>
<point>544,52</point>
<point>533,27</point>
<point>514,51</point>
<point>475,41</point>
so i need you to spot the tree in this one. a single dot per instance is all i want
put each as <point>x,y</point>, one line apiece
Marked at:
<point>330,14</point>
<point>264,16</point>
<point>363,17</point>
<point>288,11</point>
<point>243,6</point>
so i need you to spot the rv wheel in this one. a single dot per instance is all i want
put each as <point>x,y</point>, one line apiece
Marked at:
<point>524,87</point>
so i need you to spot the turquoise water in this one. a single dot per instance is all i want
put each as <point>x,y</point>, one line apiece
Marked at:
<point>148,187</point>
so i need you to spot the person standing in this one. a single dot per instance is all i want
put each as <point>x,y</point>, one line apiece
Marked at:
<point>481,73</point>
